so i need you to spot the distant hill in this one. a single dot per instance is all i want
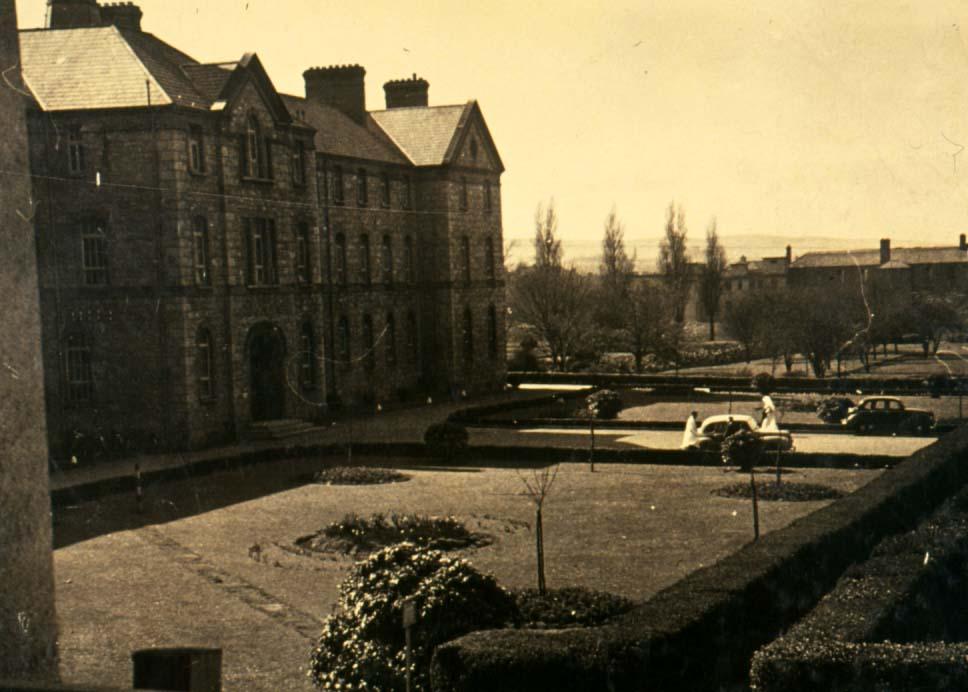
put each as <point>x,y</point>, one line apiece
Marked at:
<point>585,253</point>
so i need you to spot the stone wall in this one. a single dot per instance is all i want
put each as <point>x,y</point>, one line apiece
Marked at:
<point>27,618</point>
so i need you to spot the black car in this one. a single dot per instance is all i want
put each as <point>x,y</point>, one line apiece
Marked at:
<point>887,415</point>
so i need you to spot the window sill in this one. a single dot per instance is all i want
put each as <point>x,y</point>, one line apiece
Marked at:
<point>197,173</point>
<point>262,287</point>
<point>207,400</point>
<point>258,181</point>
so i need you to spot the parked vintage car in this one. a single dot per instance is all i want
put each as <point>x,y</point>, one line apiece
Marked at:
<point>887,415</point>
<point>713,430</point>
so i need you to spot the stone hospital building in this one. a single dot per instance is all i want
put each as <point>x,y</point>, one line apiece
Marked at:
<point>214,254</point>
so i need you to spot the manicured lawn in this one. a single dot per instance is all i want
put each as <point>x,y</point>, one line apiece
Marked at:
<point>217,566</point>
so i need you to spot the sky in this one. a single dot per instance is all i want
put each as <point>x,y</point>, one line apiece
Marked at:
<point>781,119</point>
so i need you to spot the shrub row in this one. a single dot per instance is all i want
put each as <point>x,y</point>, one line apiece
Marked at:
<point>700,633</point>
<point>882,625</point>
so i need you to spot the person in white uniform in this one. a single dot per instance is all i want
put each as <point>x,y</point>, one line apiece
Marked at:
<point>769,424</point>
<point>691,433</point>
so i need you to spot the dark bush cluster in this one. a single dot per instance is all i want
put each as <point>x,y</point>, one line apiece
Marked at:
<point>362,646</point>
<point>742,449</point>
<point>764,383</point>
<point>358,475</point>
<point>784,492</point>
<point>605,404</point>
<point>833,409</point>
<point>354,533</point>
<point>568,607</point>
<point>446,440</point>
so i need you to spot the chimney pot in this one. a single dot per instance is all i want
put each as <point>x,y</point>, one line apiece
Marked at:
<point>73,14</point>
<point>885,250</point>
<point>962,242</point>
<point>789,255</point>
<point>124,15</point>
<point>407,93</point>
<point>339,86</point>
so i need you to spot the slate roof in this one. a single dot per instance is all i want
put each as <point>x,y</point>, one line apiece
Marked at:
<point>768,266</point>
<point>86,68</point>
<point>425,134</point>
<point>339,135</point>
<point>872,258</point>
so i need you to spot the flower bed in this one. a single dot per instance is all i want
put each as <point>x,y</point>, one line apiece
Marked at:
<point>358,475</point>
<point>356,534</point>
<point>782,492</point>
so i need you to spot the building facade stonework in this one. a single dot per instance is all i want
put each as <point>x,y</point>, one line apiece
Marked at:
<point>214,254</point>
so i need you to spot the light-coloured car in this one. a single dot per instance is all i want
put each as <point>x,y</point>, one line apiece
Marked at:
<point>713,430</point>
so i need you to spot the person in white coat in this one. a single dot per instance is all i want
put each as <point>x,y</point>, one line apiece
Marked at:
<point>769,424</point>
<point>691,433</point>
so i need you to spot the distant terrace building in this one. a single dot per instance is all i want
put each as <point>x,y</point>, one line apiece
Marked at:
<point>213,253</point>
<point>745,275</point>
<point>916,269</point>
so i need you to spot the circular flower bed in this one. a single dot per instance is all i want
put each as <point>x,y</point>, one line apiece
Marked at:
<point>356,534</point>
<point>358,475</point>
<point>568,607</point>
<point>784,492</point>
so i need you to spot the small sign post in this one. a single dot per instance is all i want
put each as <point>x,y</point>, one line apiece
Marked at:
<point>409,620</point>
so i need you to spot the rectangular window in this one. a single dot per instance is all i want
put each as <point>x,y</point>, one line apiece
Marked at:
<point>489,262</point>
<point>307,358</point>
<point>361,193</point>
<point>196,150</point>
<point>303,263</point>
<point>94,253</point>
<point>203,276</point>
<point>205,365</point>
<point>80,379</point>
<point>75,152</point>
<point>385,190</point>
<point>365,259</point>
<point>407,197</point>
<point>338,196</point>
<point>463,194</point>
<point>369,357</point>
<point>391,341</point>
<point>465,253</point>
<point>487,196</point>
<point>386,257</point>
<point>299,163</point>
<point>343,339</point>
<point>261,256</point>
<point>339,259</point>
<point>408,259</point>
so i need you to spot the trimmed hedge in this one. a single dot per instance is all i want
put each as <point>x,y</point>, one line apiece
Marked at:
<point>885,623</point>
<point>700,633</point>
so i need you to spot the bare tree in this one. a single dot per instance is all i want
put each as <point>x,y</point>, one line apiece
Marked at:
<point>537,488</point>
<point>711,280</point>
<point>552,302</point>
<point>547,245</point>
<point>674,260</point>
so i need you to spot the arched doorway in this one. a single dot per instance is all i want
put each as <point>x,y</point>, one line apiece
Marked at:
<point>267,372</point>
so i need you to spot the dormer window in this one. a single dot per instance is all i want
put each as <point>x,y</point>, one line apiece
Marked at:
<point>338,195</point>
<point>385,189</point>
<point>255,159</point>
<point>196,150</point>
<point>75,152</point>
<point>361,194</point>
<point>407,198</point>
<point>299,163</point>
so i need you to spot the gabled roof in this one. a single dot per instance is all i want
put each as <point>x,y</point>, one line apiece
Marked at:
<point>339,135</point>
<point>423,133</point>
<point>872,258</point>
<point>70,69</point>
<point>108,67</point>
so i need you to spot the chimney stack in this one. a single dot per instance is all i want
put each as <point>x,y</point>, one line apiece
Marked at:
<point>789,255</point>
<point>406,93</point>
<point>962,244</point>
<point>73,14</point>
<point>339,86</point>
<point>124,15</point>
<point>885,250</point>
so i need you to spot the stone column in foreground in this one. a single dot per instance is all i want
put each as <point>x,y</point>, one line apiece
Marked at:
<point>28,627</point>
